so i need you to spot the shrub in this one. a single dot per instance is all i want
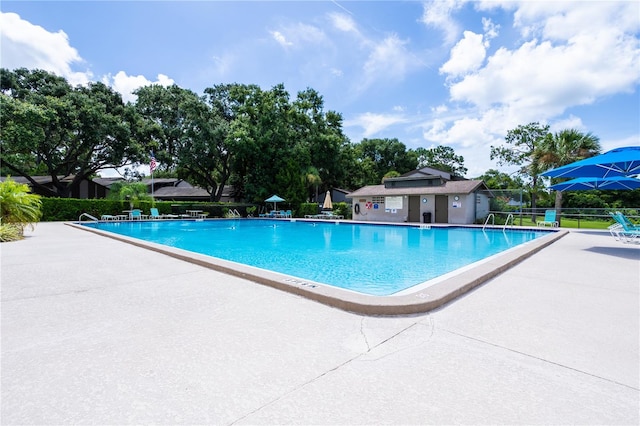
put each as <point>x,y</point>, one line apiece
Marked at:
<point>308,209</point>
<point>10,232</point>
<point>70,209</point>
<point>18,207</point>
<point>343,209</point>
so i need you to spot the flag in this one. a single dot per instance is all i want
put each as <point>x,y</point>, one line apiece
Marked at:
<point>153,164</point>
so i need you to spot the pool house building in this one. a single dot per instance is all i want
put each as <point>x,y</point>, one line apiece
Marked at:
<point>425,195</point>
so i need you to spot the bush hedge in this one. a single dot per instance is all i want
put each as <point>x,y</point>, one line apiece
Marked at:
<point>70,209</point>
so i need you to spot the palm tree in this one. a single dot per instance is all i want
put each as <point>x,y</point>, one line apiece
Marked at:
<point>18,208</point>
<point>133,192</point>
<point>312,178</point>
<point>562,148</point>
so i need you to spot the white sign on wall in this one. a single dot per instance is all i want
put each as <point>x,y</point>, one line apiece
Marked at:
<point>393,202</point>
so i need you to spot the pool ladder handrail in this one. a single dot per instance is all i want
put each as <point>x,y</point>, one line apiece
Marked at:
<point>233,214</point>
<point>493,220</point>
<point>507,222</point>
<point>89,216</point>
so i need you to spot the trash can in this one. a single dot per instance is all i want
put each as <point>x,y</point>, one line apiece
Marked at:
<point>426,217</point>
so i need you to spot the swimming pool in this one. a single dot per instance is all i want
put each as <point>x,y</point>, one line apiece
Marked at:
<point>372,259</point>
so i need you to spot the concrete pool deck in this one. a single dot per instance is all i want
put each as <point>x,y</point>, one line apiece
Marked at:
<point>97,331</point>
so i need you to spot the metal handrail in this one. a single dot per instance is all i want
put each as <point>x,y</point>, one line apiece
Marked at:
<point>493,220</point>
<point>233,214</point>
<point>89,216</point>
<point>507,222</point>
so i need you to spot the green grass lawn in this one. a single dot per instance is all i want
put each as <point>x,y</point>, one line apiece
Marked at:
<point>568,222</point>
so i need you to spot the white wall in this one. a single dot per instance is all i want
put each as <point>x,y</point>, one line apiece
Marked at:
<point>464,214</point>
<point>379,214</point>
<point>482,206</point>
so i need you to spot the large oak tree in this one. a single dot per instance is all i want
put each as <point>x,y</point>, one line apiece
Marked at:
<point>48,127</point>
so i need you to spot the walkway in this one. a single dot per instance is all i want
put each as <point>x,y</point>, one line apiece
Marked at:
<point>97,331</point>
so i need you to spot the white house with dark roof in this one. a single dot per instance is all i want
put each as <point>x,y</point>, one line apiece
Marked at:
<point>425,195</point>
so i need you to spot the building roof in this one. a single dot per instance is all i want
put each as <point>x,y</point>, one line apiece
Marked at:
<point>424,172</point>
<point>451,187</point>
<point>46,180</point>
<point>175,192</point>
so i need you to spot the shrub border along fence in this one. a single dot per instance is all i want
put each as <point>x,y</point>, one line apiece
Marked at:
<point>70,209</point>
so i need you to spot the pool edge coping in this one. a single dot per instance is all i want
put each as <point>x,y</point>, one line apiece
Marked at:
<point>421,301</point>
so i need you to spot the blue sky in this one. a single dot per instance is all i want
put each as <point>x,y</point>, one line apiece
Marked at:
<point>448,72</point>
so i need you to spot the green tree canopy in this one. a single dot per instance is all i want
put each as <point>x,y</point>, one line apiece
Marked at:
<point>442,158</point>
<point>131,192</point>
<point>520,148</point>
<point>377,157</point>
<point>495,179</point>
<point>49,127</point>
<point>562,148</point>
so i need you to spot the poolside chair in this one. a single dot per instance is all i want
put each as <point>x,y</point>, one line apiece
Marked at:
<point>624,230</point>
<point>624,221</point>
<point>549,219</point>
<point>136,214</point>
<point>154,214</point>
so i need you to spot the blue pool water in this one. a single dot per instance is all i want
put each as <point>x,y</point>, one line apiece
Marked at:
<point>372,259</point>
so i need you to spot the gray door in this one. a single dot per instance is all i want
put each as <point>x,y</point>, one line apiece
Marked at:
<point>414,208</point>
<point>442,209</point>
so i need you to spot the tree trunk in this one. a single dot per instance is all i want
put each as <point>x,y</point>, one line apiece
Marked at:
<point>534,199</point>
<point>558,207</point>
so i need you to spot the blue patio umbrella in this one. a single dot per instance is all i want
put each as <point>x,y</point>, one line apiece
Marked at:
<point>617,162</point>
<point>274,199</point>
<point>587,183</point>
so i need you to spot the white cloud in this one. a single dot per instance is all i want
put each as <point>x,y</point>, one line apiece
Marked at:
<point>223,65</point>
<point>298,35</point>
<point>127,84</point>
<point>466,56</point>
<point>548,78</point>
<point>388,60</point>
<point>280,38</point>
<point>437,14</point>
<point>440,109</point>
<point>571,122</point>
<point>490,30</point>
<point>335,72</point>
<point>343,22</point>
<point>25,45</point>
<point>374,123</point>
<point>563,20</point>
<point>569,55</point>
<point>608,145</point>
